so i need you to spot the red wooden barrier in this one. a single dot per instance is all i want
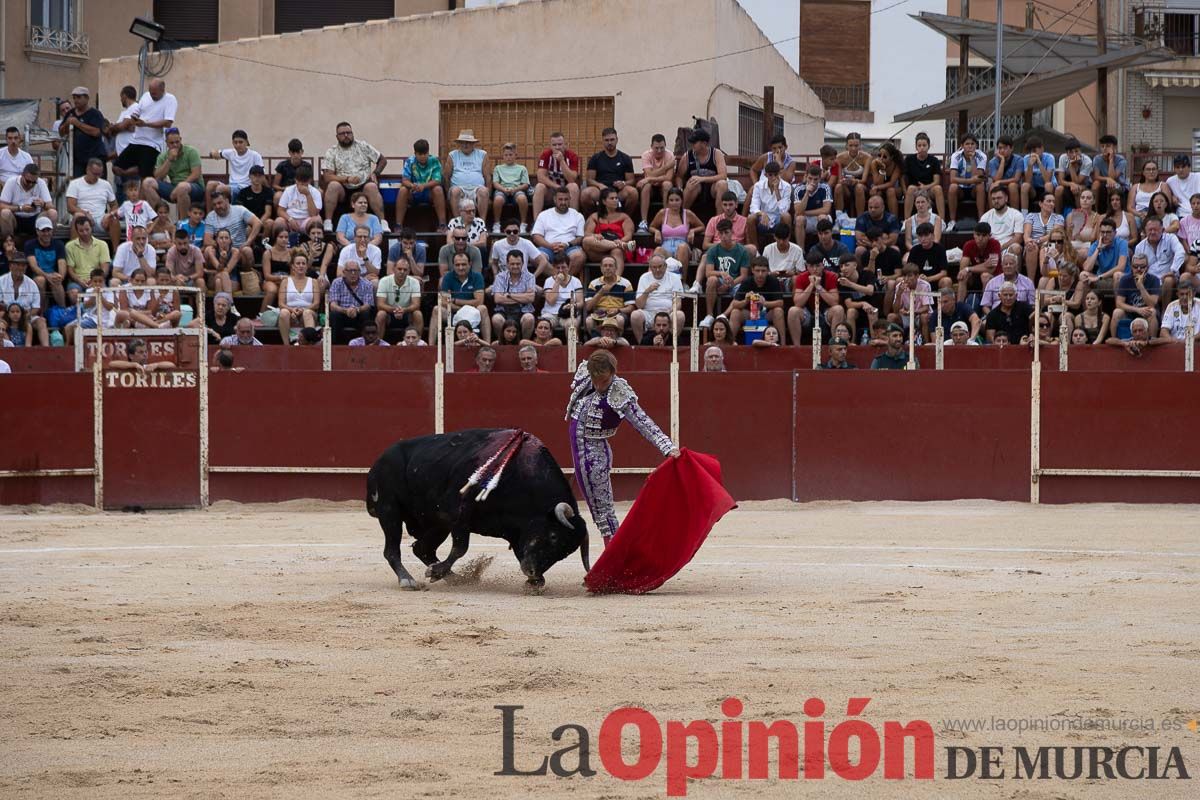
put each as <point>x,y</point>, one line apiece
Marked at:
<point>46,423</point>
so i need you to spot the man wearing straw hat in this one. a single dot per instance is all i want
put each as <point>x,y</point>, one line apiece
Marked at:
<point>467,169</point>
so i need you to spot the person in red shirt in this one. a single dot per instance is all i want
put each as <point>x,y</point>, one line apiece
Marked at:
<point>557,166</point>
<point>823,282</point>
<point>980,260</point>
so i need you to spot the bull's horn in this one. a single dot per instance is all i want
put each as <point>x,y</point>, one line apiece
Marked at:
<point>583,552</point>
<point>564,512</point>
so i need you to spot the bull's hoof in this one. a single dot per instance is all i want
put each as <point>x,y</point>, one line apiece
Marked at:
<point>438,571</point>
<point>535,586</point>
<point>408,583</point>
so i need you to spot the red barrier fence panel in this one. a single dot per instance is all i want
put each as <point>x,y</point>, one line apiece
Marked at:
<point>1120,421</point>
<point>309,419</point>
<point>745,420</point>
<point>46,423</point>
<point>927,435</point>
<point>151,439</point>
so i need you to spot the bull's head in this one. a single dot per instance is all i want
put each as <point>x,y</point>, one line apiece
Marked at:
<point>551,538</point>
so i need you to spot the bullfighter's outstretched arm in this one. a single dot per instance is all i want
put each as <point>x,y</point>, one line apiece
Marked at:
<point>623,400</point>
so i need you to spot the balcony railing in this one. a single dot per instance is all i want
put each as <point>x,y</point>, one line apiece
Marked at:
<point>854,97</point>
<point>56,42</point>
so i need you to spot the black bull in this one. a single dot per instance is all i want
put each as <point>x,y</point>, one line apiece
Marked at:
<point>418,483</point>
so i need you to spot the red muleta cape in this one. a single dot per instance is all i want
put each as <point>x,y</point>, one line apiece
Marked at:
<point>679,504</point>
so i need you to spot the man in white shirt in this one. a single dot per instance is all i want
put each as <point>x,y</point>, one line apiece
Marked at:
<point>90,195</point>
<point>12,158</point>
<point>1183,184</point>
<point>1181,313</point>
<point>655,292</point>
<point>1008,224</point>
<point>785,258</point>
<point>119,133</point>
<point>133,254</point>
<point>535,260</point>
<point>24,199</point>
<point>155,113</point>
<point>17,287</point>
<point>560,230</point>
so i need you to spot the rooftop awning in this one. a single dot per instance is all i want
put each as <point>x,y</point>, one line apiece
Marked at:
<point>1025,49</point>
<point>1041,90</point>
<point>1161,79</point>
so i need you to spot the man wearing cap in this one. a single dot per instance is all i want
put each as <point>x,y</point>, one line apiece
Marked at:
<point>87,124</point>
<point>468,171</point>
<point>17,287</point>
<point>23,200</point>
<point>176,175</point>
<point>12,158</point>
<point>47,260</point>
<point>91,195</point>
<point>352,166</point>
<point>894,356</point>
<point>960,334</point>
<point>610,336</point>
<point>837,355</point>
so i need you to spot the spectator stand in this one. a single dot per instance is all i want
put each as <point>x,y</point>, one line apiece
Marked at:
<point>1036,470</point>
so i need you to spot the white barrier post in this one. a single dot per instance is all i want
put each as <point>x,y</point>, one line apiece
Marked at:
<point>326,340</point>
<point>1037,316</point>
<point>572,341</point>
<point>694,339</point>
<point>439,378</point>
<point>1064,337</point>
<point>98,405</point>
<point>1035,431</point>
<point>675,370</point>
<point>912,333</point>
<point>1189,348</point>
<point>939,335</point>
<point>203,381</point>
<point>816,334</point>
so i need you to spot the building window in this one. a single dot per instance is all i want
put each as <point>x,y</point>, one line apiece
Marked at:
<point>298,15</point>
<point>189,23</point>
<point>1181,33</point>
<point>750,130</point>
<point>53,35</point>
<point>979,79</point>
<point>58,15</point>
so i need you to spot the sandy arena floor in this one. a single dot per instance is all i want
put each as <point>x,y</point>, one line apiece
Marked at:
<point>266,651</point>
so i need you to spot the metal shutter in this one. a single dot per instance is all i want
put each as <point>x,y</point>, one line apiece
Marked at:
<point>297,15</point>
<point>190,21</point>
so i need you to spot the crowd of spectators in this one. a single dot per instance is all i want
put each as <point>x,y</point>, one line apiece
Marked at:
<point>853,241</point>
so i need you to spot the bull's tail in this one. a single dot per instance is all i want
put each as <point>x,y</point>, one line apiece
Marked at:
<point>373,493</point>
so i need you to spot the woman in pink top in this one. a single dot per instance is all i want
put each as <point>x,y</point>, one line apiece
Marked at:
<point>674,227</point>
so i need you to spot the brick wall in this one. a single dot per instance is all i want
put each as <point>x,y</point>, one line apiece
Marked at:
<point>835,42</point>
<point>1140,95</point>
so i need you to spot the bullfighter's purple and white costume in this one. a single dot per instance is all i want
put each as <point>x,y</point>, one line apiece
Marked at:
<point>594,417</point>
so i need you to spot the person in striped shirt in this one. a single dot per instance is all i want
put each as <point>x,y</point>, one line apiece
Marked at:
<point>1037,225</point>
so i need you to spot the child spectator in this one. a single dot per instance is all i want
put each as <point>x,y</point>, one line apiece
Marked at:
<point>240,159</point>
<point>511,182</point>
